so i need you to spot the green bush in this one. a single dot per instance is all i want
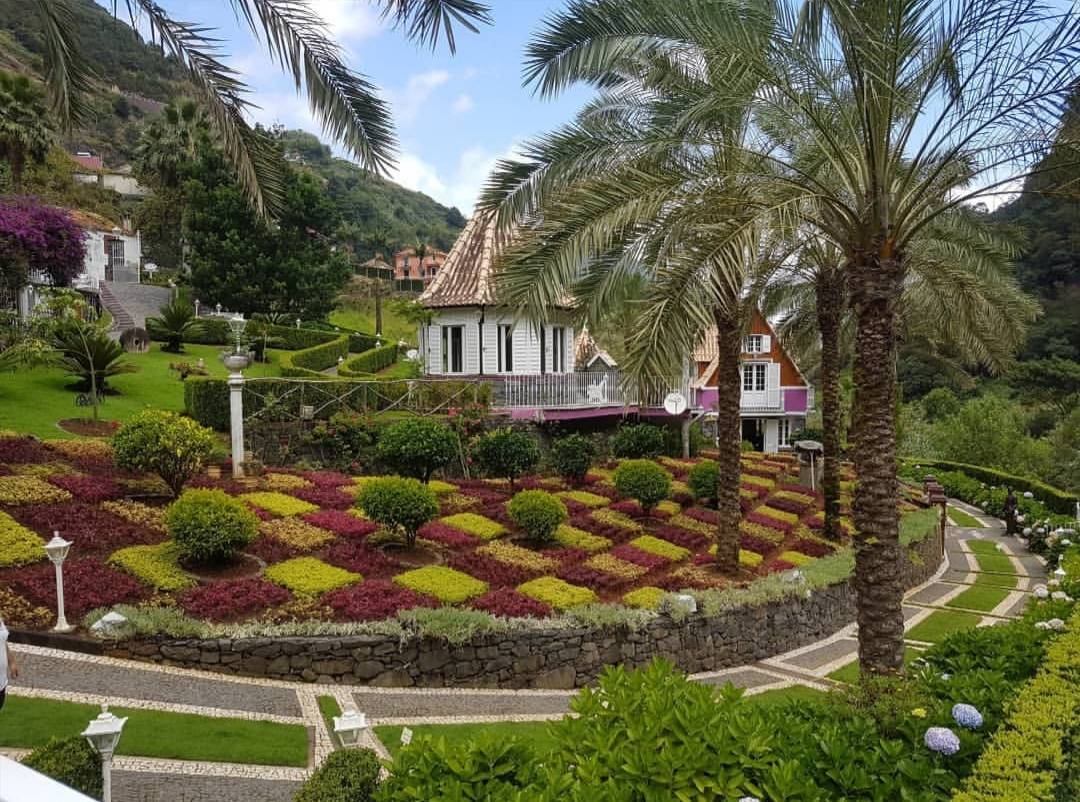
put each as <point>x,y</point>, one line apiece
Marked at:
<point>401,505</point>
<point>485,769</point>
<point>174,324</point>
<point>345,442</point>
<point>310,362</point>
<point>572,456</point>
<point>643,480</point>
<point>165,443</point>
<point>505,453</point>
<point>417,447</point>
<point>370,361</point>
<point>348,775</point>
<point>702,480</point>
<point>71,761</point>
<point>206,400</point>
<point>640,441</point>
<point>537,512</point>
<point>1057,500</point>
<point>210,526</point>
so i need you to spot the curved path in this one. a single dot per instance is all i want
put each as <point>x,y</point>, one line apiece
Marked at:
<point>68,676</point>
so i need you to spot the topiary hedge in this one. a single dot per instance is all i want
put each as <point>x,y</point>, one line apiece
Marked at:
<point>71,761</point>
<point>348,775</point>
<point>370,361</point>
<point>1057,500</point>
<point>644,480</point>
<point>401,505</point>
<point>310,362</point>
<point>537,512</point>
<point>210,526</point>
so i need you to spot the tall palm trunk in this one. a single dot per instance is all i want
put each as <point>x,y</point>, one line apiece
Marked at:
<point>875,290</point>
<point>729,438</point>
<point>830,311</point>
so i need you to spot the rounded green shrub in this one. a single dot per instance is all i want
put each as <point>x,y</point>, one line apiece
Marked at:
<point>401,505</point>
<point>417,447</point>
<point>538,512</point>
<point>572,456</point>
<point>639,441</point>
<point>348,775</point>
<point>71,761</point>
<point>505,453</point>
<point>165,443</point>
<point>643,480</point>
<point>702,480</point>
<point>210,526</point>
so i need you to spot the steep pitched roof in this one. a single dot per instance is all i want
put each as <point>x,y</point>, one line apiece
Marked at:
<point>586,351</point>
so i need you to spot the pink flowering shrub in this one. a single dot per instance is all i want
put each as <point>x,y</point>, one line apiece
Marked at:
<point>508,603</point>
<point>88,584</point>
<point>341,523</point>
<point>88,488</point>
<point>232,599</point>
<point>374,600</point>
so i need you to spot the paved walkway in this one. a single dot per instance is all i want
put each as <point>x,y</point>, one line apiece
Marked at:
<point>68,676</point>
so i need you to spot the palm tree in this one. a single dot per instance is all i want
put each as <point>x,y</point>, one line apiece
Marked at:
<point>85,351</point>
<point>25,134</point>
<point>649,177</point>
<point>296,37</point>
<point>175,323</point>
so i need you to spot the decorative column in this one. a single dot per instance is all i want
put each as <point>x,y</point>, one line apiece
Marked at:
<point>236,362</point>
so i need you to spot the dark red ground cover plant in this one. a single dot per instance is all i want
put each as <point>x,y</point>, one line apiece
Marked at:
<point>232,599</point>
<point>374,600</point>
<point>775,566</point>
<point>614,533</point>
<point>328,497</point>
<point>711,517</point>
<point>772,523</point>
<point>89,528</point>
<point>353,555</point>
<point>496,512</point>
<point>812,548</point>
<point>566,556</point>
<point>88,488</point>
<point>23,449</point>
<point>447,535</point>
<point>341,523</point>
<point>574,508</point>
<point>703,558</point>
<point>327,478</point>
<point>271,550</point>
<point>88,584</point>
<point>496,573</point>
<point>756,544</point>
<point>789,505</point>
<point>629,507</point>
<point>801,490</point>
<point>695,541</point>
<point>577,574</point>
<point>638,556</point>
<point>508,603</point>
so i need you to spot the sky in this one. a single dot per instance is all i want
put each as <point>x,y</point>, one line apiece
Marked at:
<point>455,115</point>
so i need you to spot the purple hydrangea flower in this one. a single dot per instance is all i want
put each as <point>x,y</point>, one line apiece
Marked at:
<point>967,716</point>
<point>942,740</point>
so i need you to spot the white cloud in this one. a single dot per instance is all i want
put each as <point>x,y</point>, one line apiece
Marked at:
<point>999,195</point>
<point>409,102</point>
<point>287,108</point>
<point>348,20</point>
<point>415,173</point>
<point>463,103</point>
<point>463,187</point>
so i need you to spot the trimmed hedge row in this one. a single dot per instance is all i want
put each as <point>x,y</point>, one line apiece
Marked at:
<point>371,361</point>
<point>359,342</point>
<point>1026,756</point>
<point>310,362</point>
<point>207,399</point>
<point>1057,500</point>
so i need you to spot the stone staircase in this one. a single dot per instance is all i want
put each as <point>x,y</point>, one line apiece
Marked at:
<point>131,304</point>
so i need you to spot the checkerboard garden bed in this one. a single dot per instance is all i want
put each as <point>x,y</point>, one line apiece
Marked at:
<point>317,558</point>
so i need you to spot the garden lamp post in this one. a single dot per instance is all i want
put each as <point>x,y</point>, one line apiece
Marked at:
<point>349,725</point>
<point>937,496</point>
<point>1060,573</point>
<point>236,362</point>
<point>196,307</point>
<point>57,551</point>
<point>103,733</point>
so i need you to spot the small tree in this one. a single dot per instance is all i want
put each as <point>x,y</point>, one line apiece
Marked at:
<point>71,761</point>
<point>87,352</point>
<point>506,453</point>
<point>702,480</point>
<point>210,526</point>
<point>401,505</point>
<point>572,456</point>
<point>643,480</point>
<point>164,443</point>
<point>175,323</point>
<point>348,775</point>
<point>417,447</point>
<point>538,512</point>
<point>640,441</point>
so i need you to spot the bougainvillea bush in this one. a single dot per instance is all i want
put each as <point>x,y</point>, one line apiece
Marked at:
<point>311,545</point>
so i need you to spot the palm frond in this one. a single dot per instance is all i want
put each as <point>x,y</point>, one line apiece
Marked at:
<point>67,73</point>
<point>425,20</point>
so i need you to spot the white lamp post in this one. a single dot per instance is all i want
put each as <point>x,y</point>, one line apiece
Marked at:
<point>57,551</point>
<point>196,307</point>
<point>103,733</point>
<point>349,725</point>
<point>1060,573</point>
<point>236,362</point>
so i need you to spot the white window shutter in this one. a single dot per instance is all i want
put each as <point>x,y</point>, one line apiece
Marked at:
<point>772,385</point>
<point>766,343</point>
<point>434,349</point>
<point>772,436</point>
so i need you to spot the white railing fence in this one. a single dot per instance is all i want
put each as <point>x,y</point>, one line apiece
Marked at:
<point>581,390</point>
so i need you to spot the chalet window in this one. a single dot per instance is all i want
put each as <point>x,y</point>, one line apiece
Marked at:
<point>543,349</point>
<point>453,349</point>
<point>558,349</point>
<point>753,344</point>
<point>505,339</point>
<point>784,431</point>
<point>753,377</point>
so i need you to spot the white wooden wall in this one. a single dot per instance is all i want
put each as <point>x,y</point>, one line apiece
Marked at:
<point>526,342</point>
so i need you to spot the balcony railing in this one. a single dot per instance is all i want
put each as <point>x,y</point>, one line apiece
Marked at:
<point>580,391</point>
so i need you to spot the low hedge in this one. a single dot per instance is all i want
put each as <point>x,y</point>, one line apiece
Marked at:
<point>358,342</point>
<point>310,362</point>
<point>1026,756</point>
<point>1057,500</point>
<point>370,361</point>
<point>71,761</point>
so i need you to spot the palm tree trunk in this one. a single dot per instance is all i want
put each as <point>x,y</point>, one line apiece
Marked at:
<point>729,439</point>
<point>378,306</point>
<point>830,310</point>
<point>875,289</point>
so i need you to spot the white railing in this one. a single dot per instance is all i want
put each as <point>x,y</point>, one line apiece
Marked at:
<point>756,402</point>
<point>580,390</point>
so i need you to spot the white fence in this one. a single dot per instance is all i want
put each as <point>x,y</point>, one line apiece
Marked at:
<point>581,391</point>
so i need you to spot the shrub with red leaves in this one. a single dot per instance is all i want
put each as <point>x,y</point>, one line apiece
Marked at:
<point>498,513</point>
<point>813,521</point>
<point>703,558</point>
<point>23,449</point>
<point>447,535</point>
<point>508,603</point>
<point>812,548</point>
<point>353,555</point>
<point>341,523</point>
<point>674,584</point>
<point>88,584</point>
<point>232,599</point>
<point>327,478</point>
<point>637,556</point>
<point>374,600</point>
<point>760,490</point>
<point>271,550</point>
<point>566,556</point>
<point>495,573</point>
<point>88,488</point>
<point>574,507</point>
<point>772,523</point>
<point>260,513</point>
<point>711,517</point>
<point>756,544</point>
<point>803,489</point>
<point>90,528</point>
<point>616,534</point>
<point>695,541</point>
<point>628,507</point>
<point>578,574</point>
<point>775,566</point>
<point>328,497</point>
<point>789,505</point>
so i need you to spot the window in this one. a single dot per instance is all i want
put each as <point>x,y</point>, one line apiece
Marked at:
<point>558,349</point>
<point>753,344</point>
<point>785,431</point>
<point>453,349</point>
<point>543,349</point>
<point>753,377</point>
<point>506,348</point>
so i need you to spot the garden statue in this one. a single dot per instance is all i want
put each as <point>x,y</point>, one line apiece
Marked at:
<point>1010,513</point>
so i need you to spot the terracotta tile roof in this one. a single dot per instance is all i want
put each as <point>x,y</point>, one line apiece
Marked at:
<point>585,349</point>
<point>94,221</point>
<point>466,279</point>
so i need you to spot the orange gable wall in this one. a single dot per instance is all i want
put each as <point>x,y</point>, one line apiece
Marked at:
<point>789,375</point>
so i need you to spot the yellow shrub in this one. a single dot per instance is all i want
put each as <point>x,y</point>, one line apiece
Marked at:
<point>296,533</point>
<point>610,564</point>
<point>572,537</point>
<point>661,548</point>
<point>557,593</point>
<point>309,576</point>
<point>18,545</point>
<point>445,584</point>
<point>516,555</point>
<point>646,598</point>
<point>16,490</point>
<point>155,565</point>
<point>278,503</point>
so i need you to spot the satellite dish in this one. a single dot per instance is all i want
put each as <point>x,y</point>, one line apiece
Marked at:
<point>675,404</point>
<point>412,354</point>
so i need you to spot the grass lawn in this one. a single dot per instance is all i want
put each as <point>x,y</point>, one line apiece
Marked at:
<point>359,314</point>
<point>329,708</point>
<point>938,625</point>
<point>402,369</point>
<point>980,597</point>
<point>996,580</point>
<point>961,518</point>
<point>32,401</point>
<point>915,525</point>
<point>849,672</point>
<point>534,732</point>
<point>976,546</point>
<point>28,723</point>
<point>996,563</point>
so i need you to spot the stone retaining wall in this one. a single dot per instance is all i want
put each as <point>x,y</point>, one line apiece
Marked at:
<point>552,658</point>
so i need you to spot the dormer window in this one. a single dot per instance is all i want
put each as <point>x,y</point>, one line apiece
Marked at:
<point>753,344</point>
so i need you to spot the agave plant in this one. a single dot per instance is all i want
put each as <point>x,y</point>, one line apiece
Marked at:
<point>176,323</point>
<point>86,352</point>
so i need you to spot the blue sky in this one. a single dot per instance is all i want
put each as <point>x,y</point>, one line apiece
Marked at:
<point>455,114</point>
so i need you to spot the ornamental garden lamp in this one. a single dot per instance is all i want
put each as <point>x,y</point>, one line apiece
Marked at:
<point>237,324</point>
<point>103,733</point>
<point>57,551</point>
